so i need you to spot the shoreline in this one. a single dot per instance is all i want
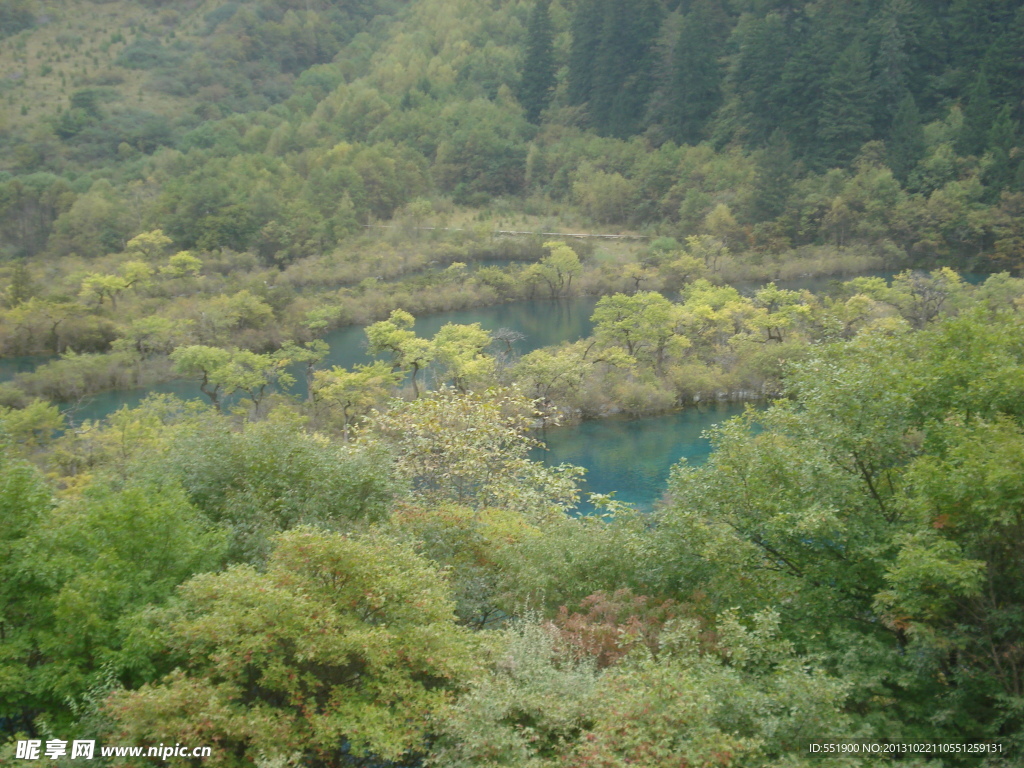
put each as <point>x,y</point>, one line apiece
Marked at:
<point>795,271</point>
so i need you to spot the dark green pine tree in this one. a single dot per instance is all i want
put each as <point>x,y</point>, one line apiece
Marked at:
<point>631,102</point>
<point>538,78</point>
<point>973,26</point>
<point>1004,65</point>
<point>926,48</point>
<point>1003,138</point>
<point>819,39</point>
<point>801,89</point>
<point>773,182</point>
<point>762,56</point>
<point>612,65</point>
<point>844,122</point>
<point>979,114</point>
<point>905,142</point>
<point>586,25</point>
<point>623,75</point>
<point>694,91</point>
<point>892,63</point>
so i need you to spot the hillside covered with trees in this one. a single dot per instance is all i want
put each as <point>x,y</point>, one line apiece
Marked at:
<point>769,124</point>
<point>323,566</point>
<point>359,580</point>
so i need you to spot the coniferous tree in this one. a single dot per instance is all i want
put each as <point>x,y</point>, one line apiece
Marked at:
<point>819,41</point>
<point>909,52</point>
<point>905,144</point>
<point>926,46</point>
<point>776,172</point>
<point>892,63</point>
<point>1003,137</point>
<point>632,100</point>
<point>762,60</point>
<point>845,119</point>
<point>611,66</point>
<point>539,65</point>
<point>979,114</point>
<point>694,91</point>
<point>623,72</point>
<point>583,53</point>
<point>974,25</point>
<point>802,87</point>
<point>1004,66</point>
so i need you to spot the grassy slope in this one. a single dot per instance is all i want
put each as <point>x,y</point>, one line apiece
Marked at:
<point>73,49</point>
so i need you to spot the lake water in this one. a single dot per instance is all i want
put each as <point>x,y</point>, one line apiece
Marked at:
<point>630,457</point>
<point>542,324</point>
<point>12,366</point>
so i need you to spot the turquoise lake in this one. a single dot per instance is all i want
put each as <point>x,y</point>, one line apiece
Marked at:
<point>631,457</point>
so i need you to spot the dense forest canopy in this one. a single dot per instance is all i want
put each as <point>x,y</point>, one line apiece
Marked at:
<point>817,122</point>
<point>327,566</point>
<point>846,566</point>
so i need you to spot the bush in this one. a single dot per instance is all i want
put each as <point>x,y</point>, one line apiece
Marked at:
<point>640,397</point>
<point>148,54</point>
<point>270,478</point>
<point>15,16</point>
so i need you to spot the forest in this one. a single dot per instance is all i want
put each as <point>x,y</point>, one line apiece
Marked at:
<point>319,565</point>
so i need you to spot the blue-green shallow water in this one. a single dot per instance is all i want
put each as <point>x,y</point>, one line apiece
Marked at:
<point>12,366</point>
<point>102,404</point>
<point>542,323</point>
<point>632,457</point>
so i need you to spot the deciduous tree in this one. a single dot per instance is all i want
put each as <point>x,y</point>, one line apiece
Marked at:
<point>352,394</point>
<point>474,449</point>
<point>395,336</point>
<point>343,649</point>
